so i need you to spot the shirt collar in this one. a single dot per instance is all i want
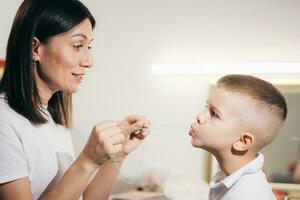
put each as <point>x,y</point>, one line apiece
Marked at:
<point>249,168</point>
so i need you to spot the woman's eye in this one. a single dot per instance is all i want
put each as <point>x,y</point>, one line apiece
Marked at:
<point>89,47</point>
<point>77,47</point>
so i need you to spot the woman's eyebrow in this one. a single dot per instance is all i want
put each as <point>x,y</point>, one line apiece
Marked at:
<point>82,35</point>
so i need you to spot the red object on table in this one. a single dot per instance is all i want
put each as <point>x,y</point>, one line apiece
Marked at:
<point>1,63</point>
<point>1,67</point>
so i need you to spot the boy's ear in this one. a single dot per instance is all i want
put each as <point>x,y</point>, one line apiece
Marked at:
<point>244,142</point>
<point>35,49</point>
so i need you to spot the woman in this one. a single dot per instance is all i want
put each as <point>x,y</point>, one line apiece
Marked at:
<point>46,59</point>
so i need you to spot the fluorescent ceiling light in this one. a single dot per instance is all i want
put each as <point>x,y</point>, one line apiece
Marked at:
<point>250,68</point>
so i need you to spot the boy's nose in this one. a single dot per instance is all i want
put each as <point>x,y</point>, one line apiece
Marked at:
<point>201,118</point>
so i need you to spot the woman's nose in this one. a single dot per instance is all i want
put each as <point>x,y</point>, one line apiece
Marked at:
<point>87,60</point>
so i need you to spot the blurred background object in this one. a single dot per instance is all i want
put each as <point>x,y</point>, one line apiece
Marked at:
<point>1,67</point>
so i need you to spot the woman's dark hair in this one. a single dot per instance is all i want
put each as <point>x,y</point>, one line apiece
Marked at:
<point>42,19</point>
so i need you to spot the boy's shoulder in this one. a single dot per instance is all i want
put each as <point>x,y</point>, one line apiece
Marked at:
<point>249,182</point>
<point>247,187</point>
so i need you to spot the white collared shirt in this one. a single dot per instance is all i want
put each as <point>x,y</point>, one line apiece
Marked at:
<point>247,183</point>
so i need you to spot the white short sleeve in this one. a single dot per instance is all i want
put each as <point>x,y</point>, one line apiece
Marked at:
<point>12,158</point>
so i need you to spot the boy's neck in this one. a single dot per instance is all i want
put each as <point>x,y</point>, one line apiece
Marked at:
<point>232,163</point>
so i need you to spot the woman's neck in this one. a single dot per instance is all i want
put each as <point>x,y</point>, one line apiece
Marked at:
<point>44,91</point>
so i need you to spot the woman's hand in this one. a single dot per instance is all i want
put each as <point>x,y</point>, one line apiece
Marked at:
<point>105,141</point>
<point>135,129</point>
<point>103,181</point>
<point>114,140</point>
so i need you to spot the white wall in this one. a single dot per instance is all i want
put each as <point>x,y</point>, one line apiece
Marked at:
<point>133,34</point>
<point>7,12</point>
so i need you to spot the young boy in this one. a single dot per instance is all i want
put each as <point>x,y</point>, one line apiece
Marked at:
<point>244,115</point>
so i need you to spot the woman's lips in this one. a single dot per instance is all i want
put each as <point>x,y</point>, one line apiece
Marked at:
<point>78,76</point>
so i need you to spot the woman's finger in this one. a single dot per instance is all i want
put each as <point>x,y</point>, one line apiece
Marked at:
<point>109,132</point>
<point>136,118</point>
<point>140,134</point>
<point>130,129</point>
<point>116,149</point>
<point>105,125</point>
<point>117,139</point>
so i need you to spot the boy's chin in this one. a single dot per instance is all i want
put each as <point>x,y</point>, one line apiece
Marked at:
<point>201,145</point>
<point>197,144</point>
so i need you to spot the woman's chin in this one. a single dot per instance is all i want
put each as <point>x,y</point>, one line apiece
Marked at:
<point>72,90</point>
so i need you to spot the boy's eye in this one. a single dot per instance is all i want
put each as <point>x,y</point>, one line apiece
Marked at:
<point>213,113</point>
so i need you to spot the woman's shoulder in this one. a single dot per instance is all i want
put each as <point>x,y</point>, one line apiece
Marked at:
<point>7,114</point>
<point>5,109</point>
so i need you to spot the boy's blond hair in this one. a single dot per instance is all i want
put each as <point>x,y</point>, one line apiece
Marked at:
<point>267,101</point>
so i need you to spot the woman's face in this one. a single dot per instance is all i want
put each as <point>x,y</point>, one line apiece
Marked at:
<point>64,59</point>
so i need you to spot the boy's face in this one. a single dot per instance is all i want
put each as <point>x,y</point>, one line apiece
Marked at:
<point>218,127</point>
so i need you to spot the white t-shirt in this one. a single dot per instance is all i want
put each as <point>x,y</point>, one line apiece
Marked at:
<point>247,183</point>
<point>40,152</point>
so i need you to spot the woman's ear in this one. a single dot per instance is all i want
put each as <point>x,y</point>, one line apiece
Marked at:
<point>244,142</point>
<point>35,49</point>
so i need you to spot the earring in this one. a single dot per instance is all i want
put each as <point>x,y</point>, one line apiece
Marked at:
<point>34,62</point>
